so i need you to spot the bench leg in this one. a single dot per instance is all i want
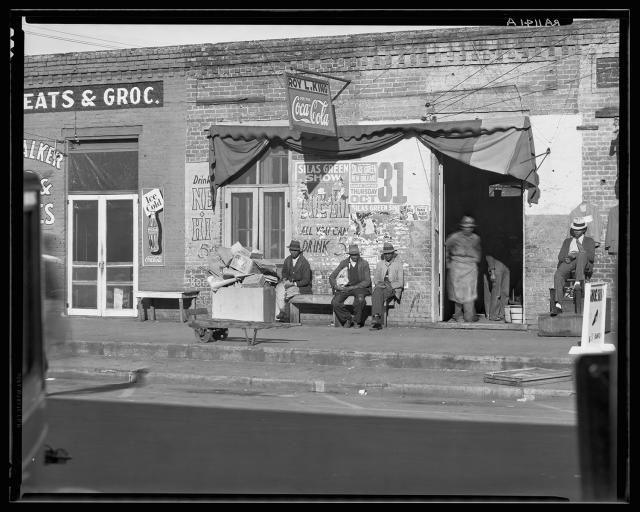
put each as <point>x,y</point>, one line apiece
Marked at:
<point>294,313</point>
<point>140,310</point>
<point>335,320</point>
<point>181,310</point>
<point>384,313</point>
<point>153,308</point>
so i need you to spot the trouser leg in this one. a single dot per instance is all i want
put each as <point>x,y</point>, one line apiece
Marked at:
<point>469,312</point>
<point>359,303</point>
<point>487,296</point>
<point>457,313</point>
<point>564,270</point>
<point>504,295</point>
<point>279,298</point>
<point>380,295</point>
<point>339,308</point>
<point>581,263</point>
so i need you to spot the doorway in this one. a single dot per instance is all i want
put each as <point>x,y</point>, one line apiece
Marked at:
<point>103,255</point>
<point>492,199</point>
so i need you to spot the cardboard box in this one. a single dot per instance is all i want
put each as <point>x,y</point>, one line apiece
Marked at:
<point>238,249</point>
<point>251,304</point>
<point>224,254</point>
<point>254,281</point>
<point>244,264</point>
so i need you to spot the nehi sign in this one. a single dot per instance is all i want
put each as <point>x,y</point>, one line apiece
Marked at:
<point>309,105</point>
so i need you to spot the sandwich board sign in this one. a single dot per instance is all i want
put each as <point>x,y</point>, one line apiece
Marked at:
<point>593,321</point>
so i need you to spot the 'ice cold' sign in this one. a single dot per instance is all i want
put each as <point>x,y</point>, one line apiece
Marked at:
<point>93,97</point>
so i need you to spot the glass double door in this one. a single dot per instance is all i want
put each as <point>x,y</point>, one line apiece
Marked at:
<point>102,255</point>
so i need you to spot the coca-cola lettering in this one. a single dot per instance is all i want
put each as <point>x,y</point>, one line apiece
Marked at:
<point>312,112</point>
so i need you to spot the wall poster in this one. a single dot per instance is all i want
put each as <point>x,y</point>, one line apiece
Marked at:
<point>153,227</point>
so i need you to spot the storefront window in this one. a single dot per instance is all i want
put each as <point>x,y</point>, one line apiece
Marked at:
<point>103,166</point>
<point>257,202</point>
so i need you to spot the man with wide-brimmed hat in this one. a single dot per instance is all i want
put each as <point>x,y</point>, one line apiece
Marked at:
<point>577,253</point>
<point>389,282</point>
<point>358,285</point>
<point>463,253</point>
<point>296,279</point>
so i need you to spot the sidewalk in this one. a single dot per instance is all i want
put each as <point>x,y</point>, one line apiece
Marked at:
<point>399,361</point>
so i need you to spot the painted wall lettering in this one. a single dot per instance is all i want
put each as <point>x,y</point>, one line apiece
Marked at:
<point>96,97</point>
<point>201,228</point>
<point>42,152</point>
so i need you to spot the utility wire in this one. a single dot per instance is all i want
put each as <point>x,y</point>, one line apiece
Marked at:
<point>462,96</point>
<point>76,35</point>
<point>111,47</point>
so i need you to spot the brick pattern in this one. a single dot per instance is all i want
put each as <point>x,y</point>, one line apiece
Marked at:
<point>608,72</point>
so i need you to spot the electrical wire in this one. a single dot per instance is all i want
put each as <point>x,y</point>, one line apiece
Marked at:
<point>111,47</point>
<point>75,35</point>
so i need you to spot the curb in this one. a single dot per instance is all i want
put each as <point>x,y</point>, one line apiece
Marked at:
<point>312,386</point>
<point>259,354</point>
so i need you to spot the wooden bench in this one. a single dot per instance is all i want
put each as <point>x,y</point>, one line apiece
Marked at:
<point>325,299</point>
<point>191,294</point>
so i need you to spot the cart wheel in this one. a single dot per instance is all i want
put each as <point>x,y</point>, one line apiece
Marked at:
<point>220,334</point>
<point>202,335</point>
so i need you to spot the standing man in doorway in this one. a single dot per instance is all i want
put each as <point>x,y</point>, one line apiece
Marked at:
<point>358,285</point>
<point>497,276</point>
<point>463,253</point>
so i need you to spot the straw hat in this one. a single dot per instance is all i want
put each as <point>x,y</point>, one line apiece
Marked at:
<point>578,224</point>
<point>468,222</point>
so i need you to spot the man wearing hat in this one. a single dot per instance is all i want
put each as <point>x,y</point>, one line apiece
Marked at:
<point>358,285</point>
<point>389,281</point>
<point>577,253</point>
<point>296,279</point>
<point>463,253</point>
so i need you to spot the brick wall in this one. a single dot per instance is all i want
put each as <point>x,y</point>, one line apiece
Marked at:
<point>460,74</point>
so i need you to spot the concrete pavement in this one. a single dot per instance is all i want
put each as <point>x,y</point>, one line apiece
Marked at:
<point>445,361</point>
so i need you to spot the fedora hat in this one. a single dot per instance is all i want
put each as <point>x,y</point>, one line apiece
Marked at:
<point>353,249</point>
<point>387,248</point>
<point>295,245</point>
<point>468,222</point>
<point>578,224</point>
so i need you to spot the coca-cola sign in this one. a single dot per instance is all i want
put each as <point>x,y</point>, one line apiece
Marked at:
<point>309,105</point>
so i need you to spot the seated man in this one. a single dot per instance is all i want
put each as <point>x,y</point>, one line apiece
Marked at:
<point>389,280</point>
<point>296,279</point>
<point>358,285</point>
<point>577,253</point>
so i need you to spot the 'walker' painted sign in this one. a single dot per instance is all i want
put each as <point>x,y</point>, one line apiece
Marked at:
<point>93,97</point>
<point>309,105</point>
<point>42,152</point>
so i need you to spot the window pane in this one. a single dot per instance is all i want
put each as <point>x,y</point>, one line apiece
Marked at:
<point>84,296</point>
<point>103,171</point>
<point>119,297</point>
<point>120,231</point>
<point>274,225</point>
<point>242,218</point>
<point>274,167</point>
<point>247,177</point>
<point>85,231</point>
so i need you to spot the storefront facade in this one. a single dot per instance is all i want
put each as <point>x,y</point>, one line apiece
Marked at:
<point>555,86</point>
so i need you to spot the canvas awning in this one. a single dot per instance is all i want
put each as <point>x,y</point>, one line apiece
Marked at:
<point>504,146</point>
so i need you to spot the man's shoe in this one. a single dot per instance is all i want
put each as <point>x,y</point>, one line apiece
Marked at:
<point>375,327</point>
<point>281,315</point>
<point>357,326</point>
<point>348,324</point>
<point>557,309</point>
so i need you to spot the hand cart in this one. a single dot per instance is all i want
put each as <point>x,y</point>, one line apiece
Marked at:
<point>218,329</point>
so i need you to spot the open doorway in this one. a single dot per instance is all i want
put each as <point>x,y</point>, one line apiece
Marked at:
<point>492,199</point>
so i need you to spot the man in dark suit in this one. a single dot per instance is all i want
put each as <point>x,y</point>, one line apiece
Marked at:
<point>296,279</point>
<point>578,253</point>
<point>358,285</point>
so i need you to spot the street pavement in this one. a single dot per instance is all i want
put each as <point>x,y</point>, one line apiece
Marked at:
<point>445,360</point>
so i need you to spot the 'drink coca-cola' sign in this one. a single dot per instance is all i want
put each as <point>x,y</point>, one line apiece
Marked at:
<point>153,227</point>
<point>309,105</point>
